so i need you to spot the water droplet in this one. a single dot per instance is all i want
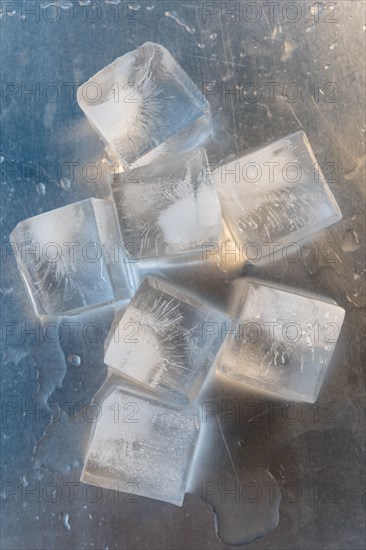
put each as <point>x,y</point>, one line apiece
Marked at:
<point>287,50</point>
<point>134,7</point>
<point>65,521</point>
<point>2,159</point>
<point>213,36</point>
<point>65,183</point>
<point>6,291</point>
<point>316,10</point>
<point>74,360</point>
<point>172,15</point>
<point>351,242</point>
<point>199,45</point>
<point>149,8</point>
<point>41,189</point>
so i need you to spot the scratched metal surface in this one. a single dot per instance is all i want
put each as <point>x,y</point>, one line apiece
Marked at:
<point>313,457</point>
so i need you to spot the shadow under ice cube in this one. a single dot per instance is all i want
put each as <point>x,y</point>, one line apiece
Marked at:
<point>168,207</point>
<point>275,196</point>
<point>283,340</point>
<point>142,446</point>
<point>144,105</point>
<point>166,340</point>
<point>70,258</point>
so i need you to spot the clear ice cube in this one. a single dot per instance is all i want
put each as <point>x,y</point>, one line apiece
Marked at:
<point>145,105</point>
<point>166,340</point>
<point>142,446</point>
<point>283,340</point>
<point>70,258</point>
<point>168,206</point>
<point>276,195</point>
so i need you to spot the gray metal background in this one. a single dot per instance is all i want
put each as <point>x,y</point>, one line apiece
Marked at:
<point>315,456</point>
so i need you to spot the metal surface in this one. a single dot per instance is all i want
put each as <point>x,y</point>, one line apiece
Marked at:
<point>305,60</point>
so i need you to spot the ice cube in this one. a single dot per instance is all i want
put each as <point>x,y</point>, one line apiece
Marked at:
<point>168,206</point>
<point>144,105</point>
<point>70,258</point>
<point>166,340</point>
<point>283,339</point>
<point>142,446</point>
<point>275,196</point>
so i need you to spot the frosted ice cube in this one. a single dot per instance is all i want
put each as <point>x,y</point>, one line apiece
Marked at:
<point>168,206</point>
<point>144,105</point>
<point>166,340</point>
<point>276,195</point>
<point>283,340</point>
<point>70,258</point>
<point>142,446</point>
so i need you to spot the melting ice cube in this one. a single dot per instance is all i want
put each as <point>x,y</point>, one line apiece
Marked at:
<point>144,105</point>
<point>70,258</point>
<point>275,196</point>
<point>166,340</point>
<point>283,340</point>
<point>142,446</point>
<point>168,206</point>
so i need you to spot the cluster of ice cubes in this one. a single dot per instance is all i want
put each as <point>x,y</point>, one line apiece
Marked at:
<point>167,201</point>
